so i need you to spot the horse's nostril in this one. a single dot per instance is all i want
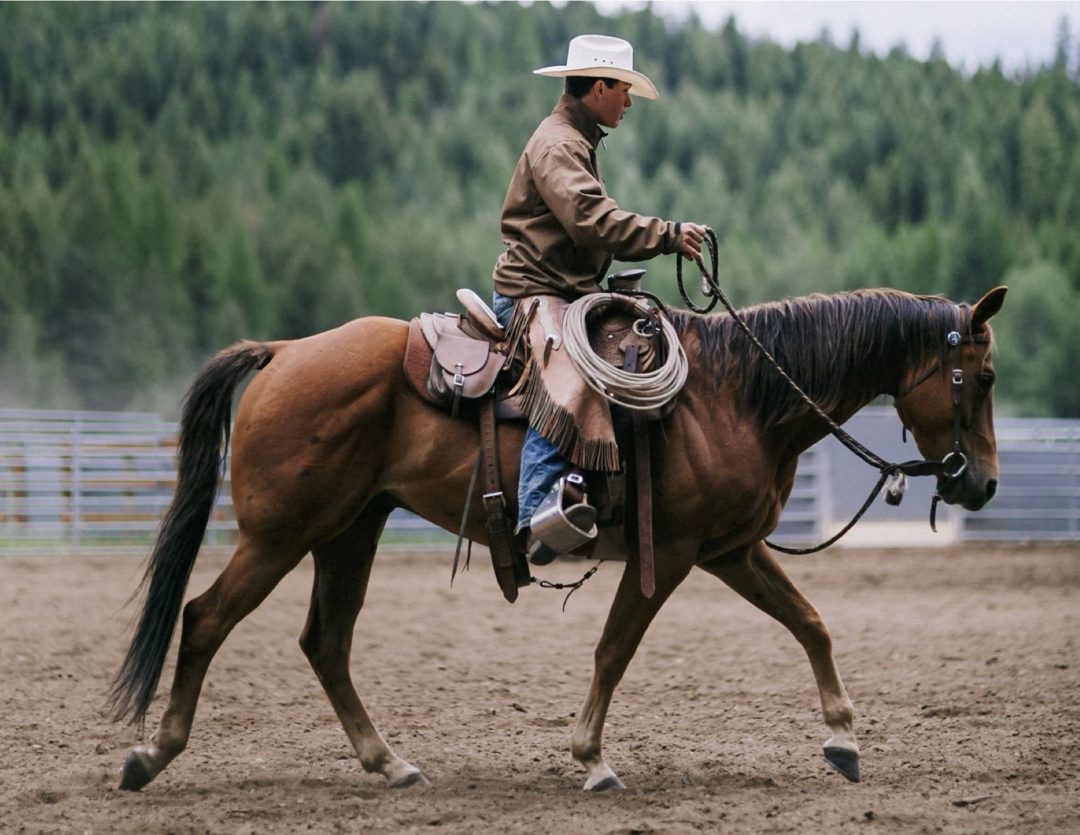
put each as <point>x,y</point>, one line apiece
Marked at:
<point>991,488</point>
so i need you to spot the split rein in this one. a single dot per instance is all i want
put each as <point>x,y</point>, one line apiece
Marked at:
<point>951,467</point>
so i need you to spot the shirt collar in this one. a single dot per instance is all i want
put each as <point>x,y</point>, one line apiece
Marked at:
<point>580,117</point>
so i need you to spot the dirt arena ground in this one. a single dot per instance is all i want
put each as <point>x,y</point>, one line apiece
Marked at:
<point>963,666</point>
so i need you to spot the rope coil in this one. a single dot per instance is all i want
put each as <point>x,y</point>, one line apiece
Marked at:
<point>639,392</point>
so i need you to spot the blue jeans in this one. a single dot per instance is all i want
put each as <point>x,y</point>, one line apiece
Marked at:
<point>541,462</point>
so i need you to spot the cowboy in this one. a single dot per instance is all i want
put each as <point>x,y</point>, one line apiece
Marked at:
<point>562,231</point>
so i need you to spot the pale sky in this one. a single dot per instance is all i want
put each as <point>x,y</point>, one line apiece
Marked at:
<point>972,34</point>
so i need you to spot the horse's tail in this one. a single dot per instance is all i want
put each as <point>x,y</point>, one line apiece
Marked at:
<point>203,442</point>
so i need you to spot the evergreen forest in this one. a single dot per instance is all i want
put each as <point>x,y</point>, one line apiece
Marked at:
<point>175,177</point>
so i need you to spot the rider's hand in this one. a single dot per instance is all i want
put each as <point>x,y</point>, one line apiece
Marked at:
<point>691,236</point>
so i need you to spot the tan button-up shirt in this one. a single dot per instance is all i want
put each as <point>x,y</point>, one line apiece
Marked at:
<point>561,229</point>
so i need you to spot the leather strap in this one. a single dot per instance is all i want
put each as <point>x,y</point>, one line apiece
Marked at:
<point>465,519</point>
<point>504,557</point>
<point>642,489</point>
<point>643,467</point>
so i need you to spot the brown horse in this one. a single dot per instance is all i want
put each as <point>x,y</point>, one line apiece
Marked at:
<point>329,438</point>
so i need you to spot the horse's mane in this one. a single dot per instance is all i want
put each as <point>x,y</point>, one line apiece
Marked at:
<point>837,347</point>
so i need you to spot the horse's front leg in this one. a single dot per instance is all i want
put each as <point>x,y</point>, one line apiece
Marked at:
<point>629,617</point>
<point>758,577</point>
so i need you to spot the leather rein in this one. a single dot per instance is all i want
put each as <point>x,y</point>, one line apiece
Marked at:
<point>949,468</point>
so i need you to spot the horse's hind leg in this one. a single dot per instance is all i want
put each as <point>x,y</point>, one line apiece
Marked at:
<point>342,568</point>
<point>758,577</point>
<point>249,577</point>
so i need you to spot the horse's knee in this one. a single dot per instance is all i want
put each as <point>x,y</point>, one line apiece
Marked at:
<point>813,634</point>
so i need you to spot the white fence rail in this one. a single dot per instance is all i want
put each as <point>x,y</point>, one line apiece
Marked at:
<point>1039,496</point>
<point>101,480</point>
<point>89,479</point>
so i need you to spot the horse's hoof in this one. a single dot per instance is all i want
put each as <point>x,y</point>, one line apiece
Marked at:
<point>413,778</point>
<point>844,761</point>
<point>607,784</point>
<point>136,774</point>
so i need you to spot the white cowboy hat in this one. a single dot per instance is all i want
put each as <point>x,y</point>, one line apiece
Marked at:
<point>602,57</point>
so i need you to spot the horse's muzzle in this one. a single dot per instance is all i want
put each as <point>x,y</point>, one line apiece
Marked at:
<point>970,491</point>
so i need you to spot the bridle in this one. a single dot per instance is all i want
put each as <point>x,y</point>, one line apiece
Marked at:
<point>955,463</point>
<point>948,469</point>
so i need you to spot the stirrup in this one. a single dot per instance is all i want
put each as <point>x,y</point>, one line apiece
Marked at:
<point>555,529</point>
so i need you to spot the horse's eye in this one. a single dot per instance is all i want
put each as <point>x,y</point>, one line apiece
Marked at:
<point>985,379</point>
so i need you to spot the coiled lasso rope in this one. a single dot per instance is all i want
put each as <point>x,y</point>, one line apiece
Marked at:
<point>647,390</point>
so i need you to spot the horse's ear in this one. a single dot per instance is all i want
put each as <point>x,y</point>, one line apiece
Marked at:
<point>988,306</point>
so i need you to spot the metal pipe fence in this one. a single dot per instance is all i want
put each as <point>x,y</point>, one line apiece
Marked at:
<point>103,480</point>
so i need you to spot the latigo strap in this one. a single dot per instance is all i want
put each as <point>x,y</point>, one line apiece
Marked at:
<point>643,535</point>
<point>508,562</point>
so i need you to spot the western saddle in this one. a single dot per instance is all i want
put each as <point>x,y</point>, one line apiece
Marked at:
<point>462,363</point>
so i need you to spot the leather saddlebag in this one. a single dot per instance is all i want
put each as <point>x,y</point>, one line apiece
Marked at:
<point>461,368</point>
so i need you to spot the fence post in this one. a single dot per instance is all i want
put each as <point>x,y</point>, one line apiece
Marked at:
<point>76,483</point>
<point>1074,515</point>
